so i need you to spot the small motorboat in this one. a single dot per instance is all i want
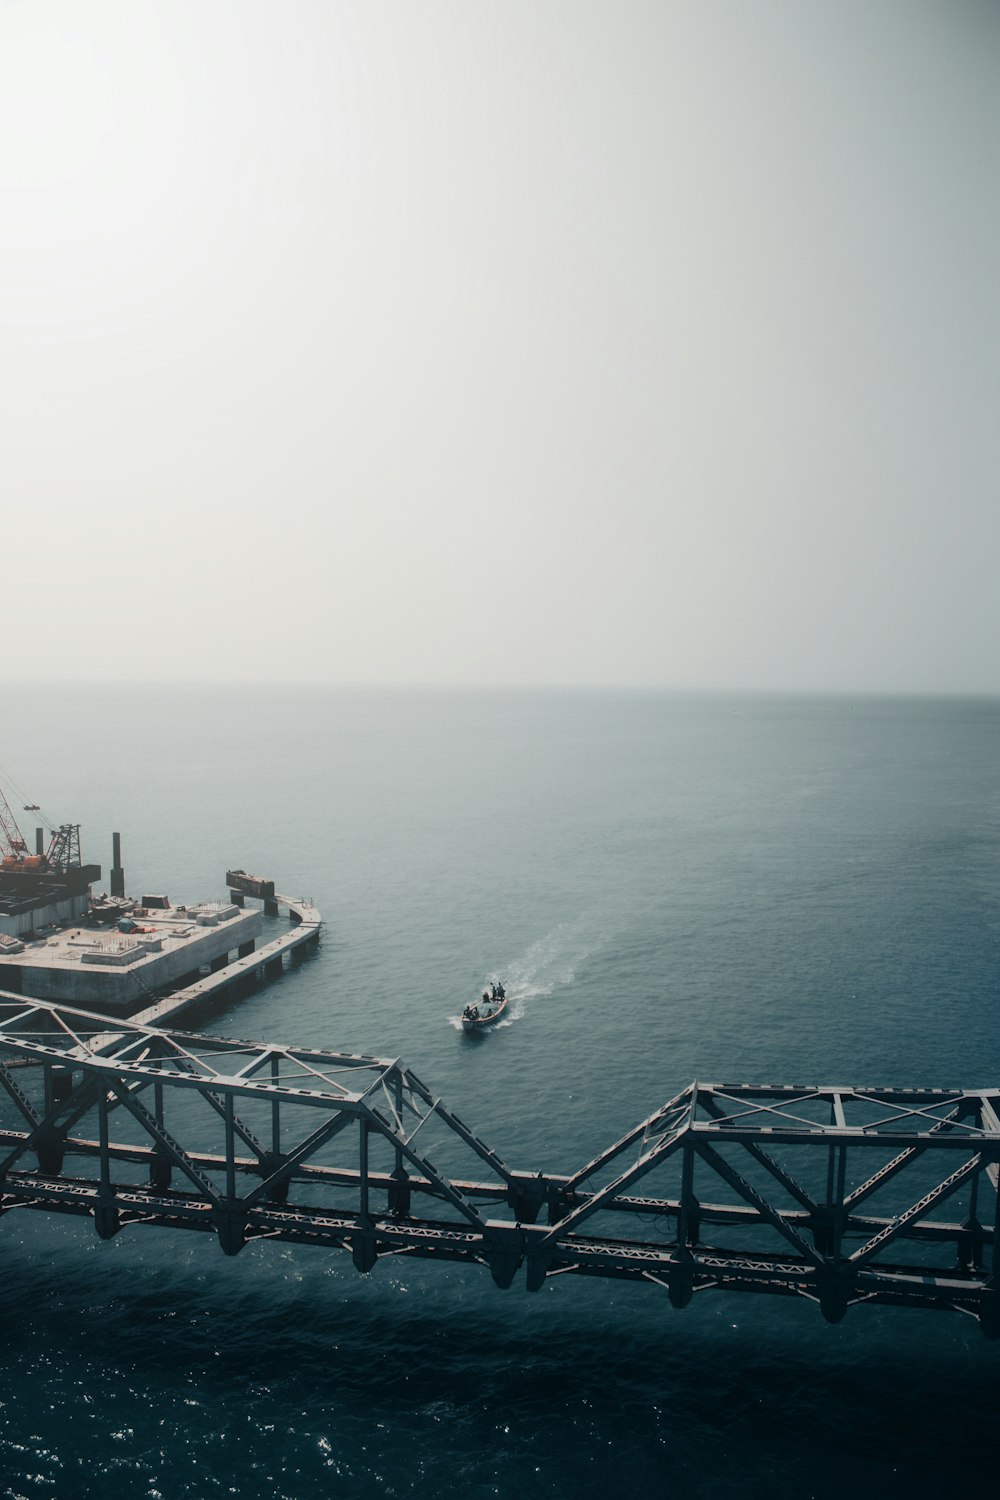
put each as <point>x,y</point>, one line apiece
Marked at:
<point>486,1010</point>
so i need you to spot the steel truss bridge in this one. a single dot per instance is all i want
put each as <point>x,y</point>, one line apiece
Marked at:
<point>838,1195</point>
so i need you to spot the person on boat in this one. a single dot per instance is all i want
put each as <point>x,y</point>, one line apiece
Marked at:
<point>498,991</point>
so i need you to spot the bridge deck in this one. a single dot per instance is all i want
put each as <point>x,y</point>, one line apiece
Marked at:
<point>839,1195</point>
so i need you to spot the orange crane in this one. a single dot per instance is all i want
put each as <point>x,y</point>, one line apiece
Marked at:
<point>15,849</point>
<point>64,845</point>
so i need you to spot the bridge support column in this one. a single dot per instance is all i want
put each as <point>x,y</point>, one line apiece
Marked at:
<point>399,1194</point>
<point>822,1231</point>
<point>989,1312</point>
<point>680,1283</point>
<point>969,1245</point>
<point>230,1224</point>
<point>526,1194</point>
<point>689,1216</point>
<point>62,1084</point>
<point>828,1221</point>
<point>538,1255</point>
<point>245,949</point>
<point>989,1297</point>
<point>363,1248</point>
<point>834,1295</point>
<point>504,1249</point>
<point>537,1270</point>
<point>107,1220</point>
<point>560,1204</point>
<point>50,1150</point>
<point>364,1252</point>
<point>278,1191</point>
<point>160,1171</point>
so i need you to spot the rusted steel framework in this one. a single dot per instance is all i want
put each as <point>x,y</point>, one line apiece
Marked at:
<point>838,1195</point>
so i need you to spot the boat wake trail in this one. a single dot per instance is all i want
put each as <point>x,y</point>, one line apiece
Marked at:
<point>550,964</point>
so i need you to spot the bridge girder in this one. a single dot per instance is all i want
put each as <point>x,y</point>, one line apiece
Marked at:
<point>837,1195</point>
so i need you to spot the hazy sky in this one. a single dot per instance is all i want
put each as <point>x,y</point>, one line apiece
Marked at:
<point>454,341</point>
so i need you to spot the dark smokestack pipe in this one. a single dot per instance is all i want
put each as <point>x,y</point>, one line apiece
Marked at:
<point>117,873</point>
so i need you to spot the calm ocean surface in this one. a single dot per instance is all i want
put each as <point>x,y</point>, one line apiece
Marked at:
<point>729,889</point>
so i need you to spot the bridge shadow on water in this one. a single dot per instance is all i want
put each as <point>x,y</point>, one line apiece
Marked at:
<point>145,1362</point>
<point>396,1385</point>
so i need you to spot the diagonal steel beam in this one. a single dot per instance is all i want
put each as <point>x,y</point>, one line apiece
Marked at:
<point>294,1158</point>
<point>991,1121</point>
<point>226,1113</point>
<point>684,1101</point>
<point>412,1084</point>
<point>653,1158</point>
<point>896,1165</point>
<point>729,1174</point>
<point>165,1141</point>
<point>444,1187</point>
<point>917,1210</point>
<point>19,1097</point>
<point>769,1164</point>
<point>59,1120</point>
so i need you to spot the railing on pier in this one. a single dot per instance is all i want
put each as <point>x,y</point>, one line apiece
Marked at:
<point>839,1195</point>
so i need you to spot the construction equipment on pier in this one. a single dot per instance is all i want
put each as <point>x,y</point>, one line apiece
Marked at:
<point>63,852</point>
<point>48,886</point>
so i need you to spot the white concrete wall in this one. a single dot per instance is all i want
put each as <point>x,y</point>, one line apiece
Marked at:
<point>72,909</point>
<point>120,989</point>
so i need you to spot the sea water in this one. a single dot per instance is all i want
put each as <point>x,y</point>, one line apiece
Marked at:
<point>672,888</point>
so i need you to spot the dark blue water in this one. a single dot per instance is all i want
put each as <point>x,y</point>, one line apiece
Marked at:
<point>725,889</point>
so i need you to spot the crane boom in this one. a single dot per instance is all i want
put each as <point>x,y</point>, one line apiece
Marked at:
<point>64,849</point>
<point>14,845</point>
<point>63,853</point>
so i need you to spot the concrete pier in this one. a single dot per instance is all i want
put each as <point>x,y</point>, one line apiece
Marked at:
<point>113,969</point>
<point>266,962</point>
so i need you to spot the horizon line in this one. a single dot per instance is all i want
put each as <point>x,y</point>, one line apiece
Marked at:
<point>388,685</point>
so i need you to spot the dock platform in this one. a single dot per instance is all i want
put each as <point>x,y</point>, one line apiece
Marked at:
<point>265,962</point>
